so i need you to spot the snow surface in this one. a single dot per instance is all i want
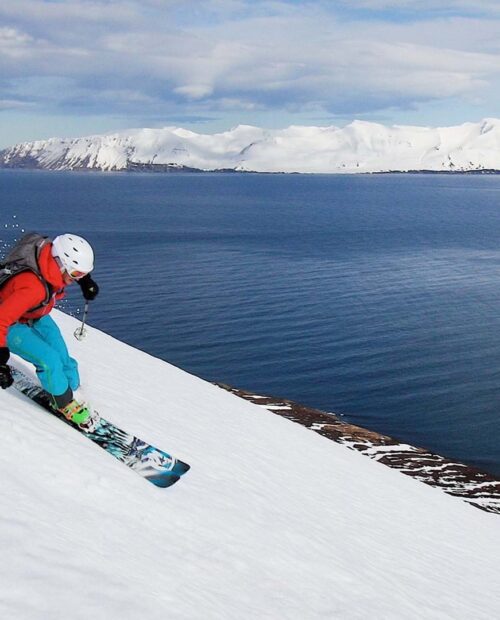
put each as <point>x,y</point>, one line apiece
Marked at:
<point>358,147</point>
<point>272,522</point>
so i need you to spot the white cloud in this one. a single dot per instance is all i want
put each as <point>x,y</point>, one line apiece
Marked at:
<point>427,5</point>
<point>163,55</point>
<point>194,91</point>
<point>14,104</point>
<point>13,37</point>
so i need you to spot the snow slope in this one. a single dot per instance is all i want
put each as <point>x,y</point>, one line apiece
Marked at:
<point>358,147</point>
<point>272,522</point>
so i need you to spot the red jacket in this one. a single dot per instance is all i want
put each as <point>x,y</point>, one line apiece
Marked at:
<point>25,291</point>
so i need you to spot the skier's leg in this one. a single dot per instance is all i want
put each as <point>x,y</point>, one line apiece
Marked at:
<point>79,412</point>
<point>48,330</point>
<point>24,341</point>
<point>57,371</point>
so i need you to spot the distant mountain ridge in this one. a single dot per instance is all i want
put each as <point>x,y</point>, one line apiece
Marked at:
<point>356,148</point>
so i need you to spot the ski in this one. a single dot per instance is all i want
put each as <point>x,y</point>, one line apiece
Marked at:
<point>160,468</point>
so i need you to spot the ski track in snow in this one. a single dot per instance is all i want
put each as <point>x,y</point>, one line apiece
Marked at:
<point>272,521</point>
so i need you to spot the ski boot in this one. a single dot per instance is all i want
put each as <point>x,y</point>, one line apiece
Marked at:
<point>82,415</point>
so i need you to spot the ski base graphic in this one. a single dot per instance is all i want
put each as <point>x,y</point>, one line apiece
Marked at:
<point>160,468</point>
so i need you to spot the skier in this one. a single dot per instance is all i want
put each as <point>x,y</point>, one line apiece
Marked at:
<point>27,295</point>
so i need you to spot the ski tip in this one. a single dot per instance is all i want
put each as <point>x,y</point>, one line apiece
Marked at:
<point>164,480</point>
<point>167,479</point>
<point>181,468</point>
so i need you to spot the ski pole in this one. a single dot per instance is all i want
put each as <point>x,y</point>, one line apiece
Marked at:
<point>80,332</point>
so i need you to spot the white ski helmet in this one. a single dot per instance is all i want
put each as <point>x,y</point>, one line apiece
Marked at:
<point>74,254</point>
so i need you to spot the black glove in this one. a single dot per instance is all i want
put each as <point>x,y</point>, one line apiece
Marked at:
<point>89,287</point>
<point>6,379</point>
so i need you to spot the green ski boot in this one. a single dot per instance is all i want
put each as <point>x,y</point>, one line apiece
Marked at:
<point>82,415</point>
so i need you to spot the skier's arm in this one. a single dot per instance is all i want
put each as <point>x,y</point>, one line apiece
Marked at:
<point>12,308</point>
<point>26,295</point>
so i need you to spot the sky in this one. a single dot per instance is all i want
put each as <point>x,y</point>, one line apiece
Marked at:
<point>70,68</point>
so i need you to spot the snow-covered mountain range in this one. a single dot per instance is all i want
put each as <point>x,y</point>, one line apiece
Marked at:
<point>273,521</point>
<point>358,147</point>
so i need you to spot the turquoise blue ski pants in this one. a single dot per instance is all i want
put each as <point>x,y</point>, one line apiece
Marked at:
<point>42,344</point>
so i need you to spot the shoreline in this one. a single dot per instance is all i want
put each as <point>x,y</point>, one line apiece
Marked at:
<point>142,168</point>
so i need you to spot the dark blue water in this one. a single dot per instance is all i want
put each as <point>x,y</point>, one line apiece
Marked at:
<point>373,296</point>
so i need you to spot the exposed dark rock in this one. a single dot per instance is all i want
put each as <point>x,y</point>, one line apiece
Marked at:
<point>480,489</point>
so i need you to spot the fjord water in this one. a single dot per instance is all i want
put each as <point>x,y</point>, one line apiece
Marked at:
<point>377,297</point>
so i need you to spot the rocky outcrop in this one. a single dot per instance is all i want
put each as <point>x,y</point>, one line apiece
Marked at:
<point>480,489</point>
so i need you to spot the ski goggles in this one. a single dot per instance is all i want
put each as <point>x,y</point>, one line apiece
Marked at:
<point>76,275</point>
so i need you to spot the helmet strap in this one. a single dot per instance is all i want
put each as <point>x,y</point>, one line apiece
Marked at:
<point>59,263</point>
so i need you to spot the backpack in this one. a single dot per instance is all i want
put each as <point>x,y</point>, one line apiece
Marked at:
<point>24,257</point>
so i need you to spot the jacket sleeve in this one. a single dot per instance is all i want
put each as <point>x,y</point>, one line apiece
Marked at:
<point>27,293</point>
